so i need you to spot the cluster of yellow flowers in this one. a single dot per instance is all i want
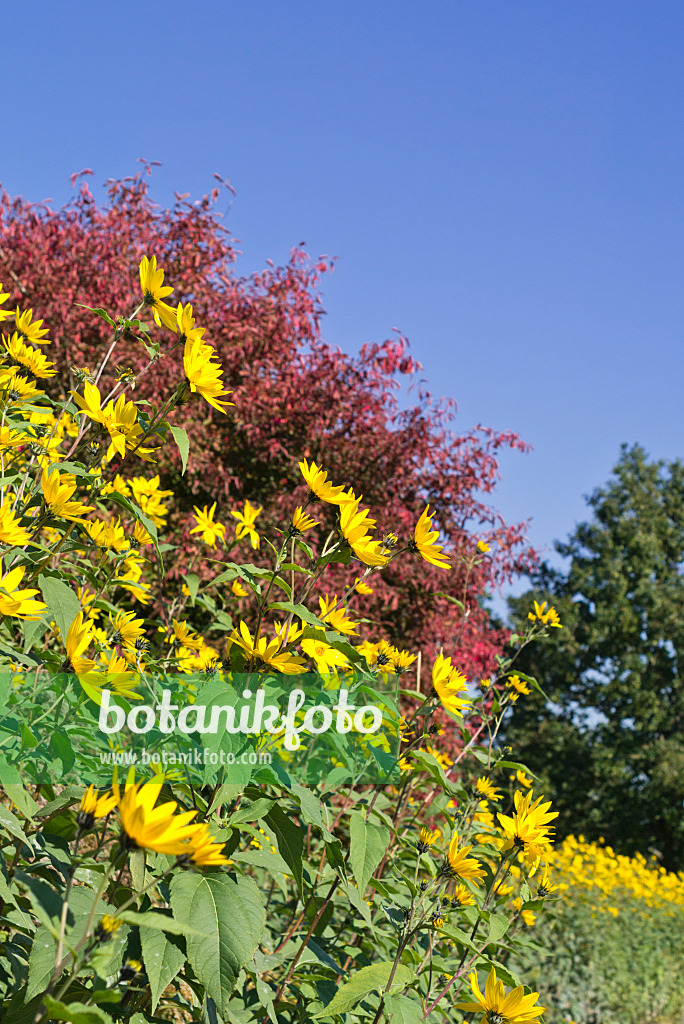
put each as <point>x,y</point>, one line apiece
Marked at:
<point>604,876</point>
<point>146,826</point>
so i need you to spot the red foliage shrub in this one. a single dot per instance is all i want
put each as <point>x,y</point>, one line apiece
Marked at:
<point>295,397</point>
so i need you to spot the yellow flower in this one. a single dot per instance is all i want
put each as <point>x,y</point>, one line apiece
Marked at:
<point>209,529</point>
<point>11,438</point>
<point>424,542</point>
<point>119,419</point>
<point>318,482</point>
<point>77,642</point>
<point>30,332</point>
<point>517,684</point>
<point>154,291</point>
<point>182,636</point>
<point>461,897</point>
<point>238,589</point>
<point>4,296</point>
<point>547,618</point>
<point>245,526</point>
<point>449,684</point>
<point>127,629</point>
<point>402,660</point>
<point>264,652</point>
<point>94,806</point>
<point>17,389</point>
<point>115,676</point>
<point>185,322</point>
<point>545,886</point>
<point>57,492</point>
<point>362,588</point>
<point>528,916</point>
<point>355,526</point>
<point>522,779</point>
<point>301,522</point>
<point>205,851</point>
<point>379,656</point>
<point>327,658</point>
<point>155,828</point>
<point>11,530</point>
<point>528,828</point>
<point>28,357</point>
<point>487,789</point>
<point>335,615</point>
<point>18,604</point>
<point>427,838</point>
<point>482,546</point>
<point>496,1006</point>
<point>459,864</point>
<point>203,376</point>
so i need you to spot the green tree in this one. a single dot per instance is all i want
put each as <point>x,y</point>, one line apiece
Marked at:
<point>610,747</point>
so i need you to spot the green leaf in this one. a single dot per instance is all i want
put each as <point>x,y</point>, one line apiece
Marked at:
<point>232,917</point>
<point>100,312</point>
<point>163,959</point>
<point>369,841</point>
<point>21,798</point>
<point>180,436</point>
<point>76,1013</point>
<point>290,841</point>
<point>63,605</point>
<point>44,946</point>
<point>11,824</point>
<point>368,979</point>
<point>158,922</point>
<point>403,1010</point>
<point>498,926</point>
<point>144,520</point>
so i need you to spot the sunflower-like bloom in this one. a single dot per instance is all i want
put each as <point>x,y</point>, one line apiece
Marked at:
<point>327,658</point>
<point>301,522</point>
<point>16,390</point>
<point>265,652</point>
<point>4,313</point>
<point>462,897</point>
<point>545,886</point>
<point>238,589</point>
<point>459,865</point>
<point>318,482</point>
<point>427,838</point>
<point>355,526</point>
<point>522,779</point>
<point>120,420</point>
<point>402,660</point>
<point>527,829</point>
<point>334,613</point>
<point>154,828</point>
<point>517,684</point>
<point>19,604</point>
<point>57,493</point>
<point>482,546</point>
<point>487,789</point>
<point>425,539</point>
<point>11,530</point>
<point>209,529</point>
<point>28,357</point>
<point>547,618</point>
<point>203,375</point>
<point>94,806</point>
<point>379,656</point>
<point>362,588</point>
<point>154,291</point>
<point>449,684</point>
<point>205,851</point>
<point>127,629</point>
<point>183,636</point>
<point>245,524</point>
<point>78,640</point>
<point>115,675</point>
<point>496,1006</point>
<point>11,438</point>
<point>32,332</point>
<point>185,323</point>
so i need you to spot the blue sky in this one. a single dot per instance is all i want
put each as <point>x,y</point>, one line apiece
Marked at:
<point>501,181</point>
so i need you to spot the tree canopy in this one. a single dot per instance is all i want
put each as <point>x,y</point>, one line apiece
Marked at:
<point>611,745</point>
